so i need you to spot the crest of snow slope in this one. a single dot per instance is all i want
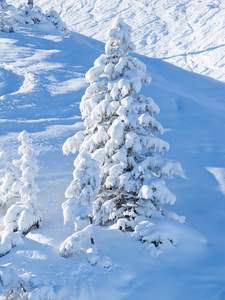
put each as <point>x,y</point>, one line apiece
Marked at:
<point>35,60</point>
<point>187,33</point>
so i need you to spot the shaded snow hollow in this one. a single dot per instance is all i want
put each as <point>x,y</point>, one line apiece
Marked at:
<point>32,63</point>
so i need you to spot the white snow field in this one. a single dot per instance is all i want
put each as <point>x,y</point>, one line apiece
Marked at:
<point>43,75</point>
<point>187,33</point>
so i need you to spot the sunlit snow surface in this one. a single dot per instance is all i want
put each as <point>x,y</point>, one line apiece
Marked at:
<point>32,63</point>
<point>219,174</point>
<point>187,33</point>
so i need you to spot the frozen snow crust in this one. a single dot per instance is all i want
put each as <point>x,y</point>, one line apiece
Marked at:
<point>49,78</point>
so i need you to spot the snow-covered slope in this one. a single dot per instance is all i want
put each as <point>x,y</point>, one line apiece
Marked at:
<point>187,33</point>
<point>43,81</point>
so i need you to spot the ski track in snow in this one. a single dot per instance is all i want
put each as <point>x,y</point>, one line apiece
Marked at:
<point>37,121</point>
<point>31,78</point>
<point>188,33</point>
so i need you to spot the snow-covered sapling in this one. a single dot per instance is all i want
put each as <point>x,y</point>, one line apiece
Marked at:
<point>25,216</point>
<point>2,13</point>
<point>121,134</point>
<point>9,182</point>
<point>7,17</point>
<point>80,195</point>
<point>3,23</point>
<point>53,17</point>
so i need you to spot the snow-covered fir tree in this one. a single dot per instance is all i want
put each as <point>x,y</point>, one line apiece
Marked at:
<point>6,23</point>
<point>121,134</point>
<point>53,17</point>
<point>9,182</point>
<point>80,195</point>
<point>25,216</point>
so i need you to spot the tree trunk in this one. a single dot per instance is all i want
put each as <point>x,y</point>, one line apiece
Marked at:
<point>91,222</point>
<point>30,4</point>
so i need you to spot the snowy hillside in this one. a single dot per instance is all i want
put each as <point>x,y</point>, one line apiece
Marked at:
<point>41,85</point>
<point>187,33</point>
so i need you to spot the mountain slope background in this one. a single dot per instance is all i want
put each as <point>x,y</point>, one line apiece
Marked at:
<point>41,84</point>
<point>187,33</point>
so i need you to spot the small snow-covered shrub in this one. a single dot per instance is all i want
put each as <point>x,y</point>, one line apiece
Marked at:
<point>78,207</point>
<point>7,24</point>
<point>3,6</point>
<point>9,182</point>
<point>9,240</point>
<point>53,17</point>
<point>83,189</point>
<point>121,133</point>
<point>25,216</point>
<point>27,14</point>
<point>19,284</point>
<point>11,286</point>
<point>77,243</point>
<point>36,16</point>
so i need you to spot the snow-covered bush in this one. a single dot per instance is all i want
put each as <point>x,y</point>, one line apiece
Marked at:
<point>20,284</point>
<point>35,16</point>
<point>9,240</point>
<point>121,134</point>
<point>53,17</point>
<point>10,284</point>
<point>25,216</point>
<point>80,195</point>
<point>27,14</point>
<point>7,24</point>
<point>77,243</point>
<point>3,6</point>
<point>9,182</point>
